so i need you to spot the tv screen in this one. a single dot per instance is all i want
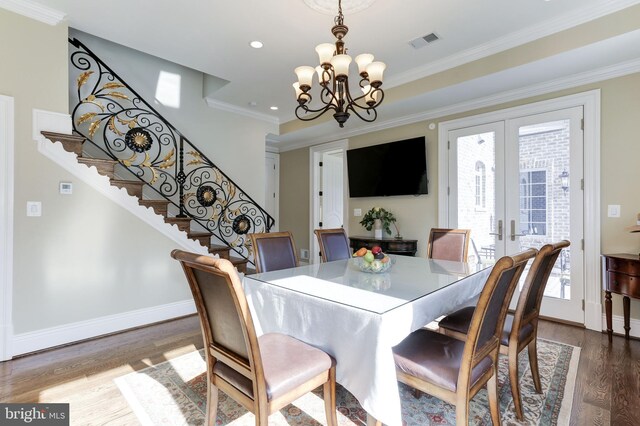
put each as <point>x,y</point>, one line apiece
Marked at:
<point>395,168</point>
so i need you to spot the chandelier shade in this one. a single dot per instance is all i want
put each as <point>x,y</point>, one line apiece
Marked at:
<point>333,79</point>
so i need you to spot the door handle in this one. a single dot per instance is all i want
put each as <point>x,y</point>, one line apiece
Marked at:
<point>499,233</point>
<point>513,231</point>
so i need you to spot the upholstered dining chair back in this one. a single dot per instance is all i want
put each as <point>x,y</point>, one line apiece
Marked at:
<point>536,281</point>
<point>225,319</point>
<point>334,244</point>
<point>488,318</point>
<point>448,244</point>
<point>273,251</point>
<point>263,374</point>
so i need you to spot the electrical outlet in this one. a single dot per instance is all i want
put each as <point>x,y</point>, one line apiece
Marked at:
<point>304,254</point>
<point>357,212</point>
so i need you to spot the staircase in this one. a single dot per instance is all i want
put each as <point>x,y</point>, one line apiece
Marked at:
<point>74,143</point>
<point>126,139</point>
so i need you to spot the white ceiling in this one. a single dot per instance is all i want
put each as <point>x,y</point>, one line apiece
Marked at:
<point>213,37</point>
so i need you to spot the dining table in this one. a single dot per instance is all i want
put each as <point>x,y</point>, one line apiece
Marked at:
<point>358,317</point>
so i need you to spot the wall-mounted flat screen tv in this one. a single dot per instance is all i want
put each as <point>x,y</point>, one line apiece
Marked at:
<point>394,168</point>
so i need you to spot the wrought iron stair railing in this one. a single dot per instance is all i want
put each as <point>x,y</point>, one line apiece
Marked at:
<point>121,124</point>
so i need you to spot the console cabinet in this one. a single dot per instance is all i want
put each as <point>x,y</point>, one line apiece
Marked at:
<point>391,246</point>
<point>622,276</point>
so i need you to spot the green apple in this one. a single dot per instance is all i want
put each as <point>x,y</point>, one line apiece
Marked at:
<point>369,257</point>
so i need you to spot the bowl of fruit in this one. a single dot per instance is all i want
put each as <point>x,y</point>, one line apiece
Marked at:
<point>373,261</point>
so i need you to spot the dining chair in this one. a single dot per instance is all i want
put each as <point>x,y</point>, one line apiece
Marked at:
<point>263,374</point>
<point>334,244</point>
<point>448,244</point>
<point>521,328</point>
<point>453,370</point>
<point>273,251</point>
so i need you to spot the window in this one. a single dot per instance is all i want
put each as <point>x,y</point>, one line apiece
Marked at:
<point>481,185</point>
<point>533,202</point>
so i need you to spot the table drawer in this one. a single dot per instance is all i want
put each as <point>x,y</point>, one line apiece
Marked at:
<point>626,266</point>
<point>623,284</point>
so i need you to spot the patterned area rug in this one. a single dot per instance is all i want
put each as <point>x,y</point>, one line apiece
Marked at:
<point>173,393</point>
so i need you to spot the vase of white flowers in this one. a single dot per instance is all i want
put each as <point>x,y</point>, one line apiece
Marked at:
<point>378,219</point>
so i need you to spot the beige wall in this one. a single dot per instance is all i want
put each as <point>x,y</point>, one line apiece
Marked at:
<point>85,257</point>
<point>416,215</point>
<point>294,195</point>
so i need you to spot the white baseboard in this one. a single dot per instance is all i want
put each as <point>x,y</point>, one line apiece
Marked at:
<point>618,325</point>
<point>42,339</point>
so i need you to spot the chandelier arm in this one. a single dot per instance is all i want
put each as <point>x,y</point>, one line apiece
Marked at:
<point>317,113</point>
<point>370,111</point>
<point>353,102</point>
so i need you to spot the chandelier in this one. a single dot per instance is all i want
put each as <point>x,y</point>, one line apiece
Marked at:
<point>333,77</point>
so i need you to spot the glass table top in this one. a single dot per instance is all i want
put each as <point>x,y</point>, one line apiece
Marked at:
<point>408,279</point>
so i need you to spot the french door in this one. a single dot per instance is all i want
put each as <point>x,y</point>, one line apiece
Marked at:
<point>517,184</point>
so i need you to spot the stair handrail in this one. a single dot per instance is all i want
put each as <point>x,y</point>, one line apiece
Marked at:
<point>145,143</point>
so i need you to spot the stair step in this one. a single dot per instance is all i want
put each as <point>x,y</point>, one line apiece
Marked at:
<point>70,143</point>
<point>203,237</point>
<point>240,264</point>
<point>222,251</point>
<point>183,223</point>
<point>133,187</point>
<point>159,206</point>
<point>104,167</point>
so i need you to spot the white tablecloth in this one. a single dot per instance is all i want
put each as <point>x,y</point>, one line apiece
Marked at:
<point>360,340</point>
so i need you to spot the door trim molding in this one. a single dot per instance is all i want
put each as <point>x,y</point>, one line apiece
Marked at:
<point>342,144</point>
<point>7,142</point>
<point>590,101</point>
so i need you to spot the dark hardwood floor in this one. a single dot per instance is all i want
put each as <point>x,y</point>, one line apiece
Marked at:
<point>607,388</point>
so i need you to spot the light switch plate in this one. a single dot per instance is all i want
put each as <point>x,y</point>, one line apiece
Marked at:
<point>34,208</point>
<point>357,212</point>
<point>614,210</point>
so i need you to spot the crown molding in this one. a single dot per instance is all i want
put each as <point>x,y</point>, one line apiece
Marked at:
<point>593,76</point>
<point>224,106</point>
<point>34,10</point>
<point>526,35</point>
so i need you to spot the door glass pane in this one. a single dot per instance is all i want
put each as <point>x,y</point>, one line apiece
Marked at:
<point>544,195</point>
<point>476,193</point>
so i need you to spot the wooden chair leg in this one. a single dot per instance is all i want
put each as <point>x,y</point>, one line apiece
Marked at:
<point>329,390</point>
<point>417,393</point>
<point>262,418</point>
<point>212,404</point>
<point>372,421</point>
<point>494,403</point>
<point>533,362</point>
<point>462,412</point>
<point>513,379</point>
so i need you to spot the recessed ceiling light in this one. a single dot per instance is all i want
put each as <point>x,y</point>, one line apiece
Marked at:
<point>256,44</point>
<point>274,108</point>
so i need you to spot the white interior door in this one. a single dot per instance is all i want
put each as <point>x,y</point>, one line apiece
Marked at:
<point>271,186</point>
<point>328,190</point>
<point>517,184</point>
<point>331,201</point>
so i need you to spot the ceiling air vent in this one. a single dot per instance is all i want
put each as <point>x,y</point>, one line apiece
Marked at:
<point>424,40</point>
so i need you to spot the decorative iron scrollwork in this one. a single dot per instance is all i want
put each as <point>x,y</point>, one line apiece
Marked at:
<point>241,225</point>
<point>113,117</point>
<point>138,140</point>
<point>206,195</point>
